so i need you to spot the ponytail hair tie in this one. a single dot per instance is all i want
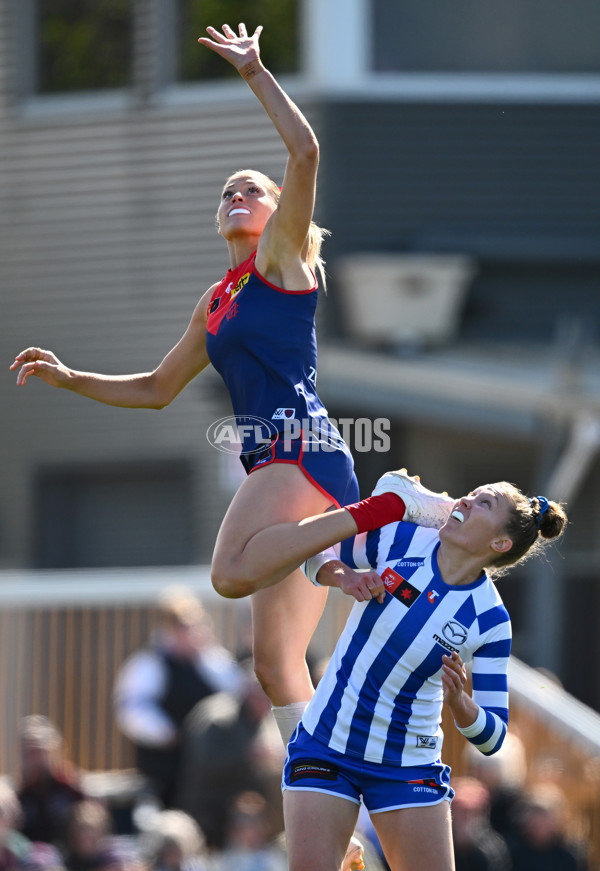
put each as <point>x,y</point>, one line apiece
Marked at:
<point>542,508</point>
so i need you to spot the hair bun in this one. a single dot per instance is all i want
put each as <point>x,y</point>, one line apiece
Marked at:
<point>553,521</point>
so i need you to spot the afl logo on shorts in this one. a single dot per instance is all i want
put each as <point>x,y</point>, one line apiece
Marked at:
<point>284,414</point>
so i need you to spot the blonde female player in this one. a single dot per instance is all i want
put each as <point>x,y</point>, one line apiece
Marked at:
<point>256,326</point>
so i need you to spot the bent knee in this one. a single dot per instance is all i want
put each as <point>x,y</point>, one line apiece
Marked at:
<point>282,681</point>
<point>228,586</point>
<point>233,581</point>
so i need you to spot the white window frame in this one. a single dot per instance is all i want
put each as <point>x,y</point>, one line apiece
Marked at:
<point>324,72</point>
<point>349,73</point>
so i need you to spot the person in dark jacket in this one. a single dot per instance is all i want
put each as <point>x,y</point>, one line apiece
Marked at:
<point>157,688</point>
<point>50,785</point>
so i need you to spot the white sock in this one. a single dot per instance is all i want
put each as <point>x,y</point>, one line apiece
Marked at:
<point>287,718</point>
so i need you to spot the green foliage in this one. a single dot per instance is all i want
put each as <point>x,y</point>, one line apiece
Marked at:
<point>278,42</point>
<point>84,45</point>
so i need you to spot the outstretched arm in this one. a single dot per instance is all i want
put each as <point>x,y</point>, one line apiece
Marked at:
<point>140,390</point>
<point>285,234</point>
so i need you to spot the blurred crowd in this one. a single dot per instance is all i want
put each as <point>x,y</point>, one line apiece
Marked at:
<point>208,796</point>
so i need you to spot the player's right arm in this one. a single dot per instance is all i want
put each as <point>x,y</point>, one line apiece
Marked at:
<point>140,390</point>
<point>364,586</point>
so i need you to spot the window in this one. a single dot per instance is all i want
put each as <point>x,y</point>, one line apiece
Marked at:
<point>520,36</point>
<point>278,42</point>
<point>82,45</point>
<point>126,514</point>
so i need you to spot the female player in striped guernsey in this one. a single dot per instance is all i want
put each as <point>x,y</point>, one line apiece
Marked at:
<point>426,606</point>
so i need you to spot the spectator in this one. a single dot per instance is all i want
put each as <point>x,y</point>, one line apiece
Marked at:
<point>14,847</point>
<point>157,688</point>
<point>18,853</point>
<point>231,745</point>
<point>49,783</point>
<point>477,847</point>
<point>174,843</point>
<point>249,846</point>
<point>88,831</point>
<point>43,857</point>
<point>540,842</point>
<point>504,775</point>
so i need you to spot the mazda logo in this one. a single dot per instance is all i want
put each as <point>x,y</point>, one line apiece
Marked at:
<point>454,632</point>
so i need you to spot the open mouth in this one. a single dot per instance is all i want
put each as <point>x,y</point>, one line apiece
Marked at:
<point>458,515</point>
<point>238,212</point>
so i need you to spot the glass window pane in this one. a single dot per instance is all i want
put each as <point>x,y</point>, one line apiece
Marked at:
<point>278,42</point>
<point>127,514</point>
<point>521,36</point>
<point>83,45</point>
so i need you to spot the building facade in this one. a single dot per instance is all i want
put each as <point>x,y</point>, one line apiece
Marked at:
<point>438,140</point>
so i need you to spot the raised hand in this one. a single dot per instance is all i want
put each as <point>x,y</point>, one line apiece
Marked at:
<point>43,364</point>
<point>238,50</point>
<point>454,678</point>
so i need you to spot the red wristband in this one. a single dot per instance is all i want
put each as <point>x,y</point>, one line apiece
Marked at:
<point>376,511</point>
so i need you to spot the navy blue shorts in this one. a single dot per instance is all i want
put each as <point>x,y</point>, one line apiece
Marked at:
<point>326,462</point>
<point>313,767</point>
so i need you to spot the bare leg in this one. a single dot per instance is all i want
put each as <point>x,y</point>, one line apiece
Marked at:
<point>318,828</point>
<point>419,837</point>
<point>284,618</point>
<point>264,536</point>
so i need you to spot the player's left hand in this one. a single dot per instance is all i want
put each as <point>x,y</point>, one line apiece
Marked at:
<point>454,678</point>
<point>238,50</point>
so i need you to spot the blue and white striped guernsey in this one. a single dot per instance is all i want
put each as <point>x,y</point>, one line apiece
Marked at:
<point>381,696</point>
